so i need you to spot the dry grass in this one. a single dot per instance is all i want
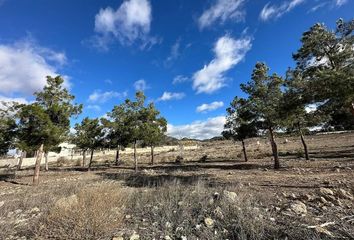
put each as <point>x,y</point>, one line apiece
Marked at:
<point>176,210</point>
<point>92,213</point>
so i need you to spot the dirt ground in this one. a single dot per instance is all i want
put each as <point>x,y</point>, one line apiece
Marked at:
<point>303,200</point>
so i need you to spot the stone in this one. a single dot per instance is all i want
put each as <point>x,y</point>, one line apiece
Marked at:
<point>344,194</point>
<point>2,203</point>
<point>183,238</point>
<point>231,196</point>
<point>218,213</point>
<point>67,202</point>
<point>209,222</point>
<point>298,207</point>
<point>168,237</point>
<point>134,236</point>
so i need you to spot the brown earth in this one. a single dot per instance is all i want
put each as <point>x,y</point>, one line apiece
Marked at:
<point>303,200</point>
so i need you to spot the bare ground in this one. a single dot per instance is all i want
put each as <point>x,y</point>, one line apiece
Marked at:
<point>302,200</point>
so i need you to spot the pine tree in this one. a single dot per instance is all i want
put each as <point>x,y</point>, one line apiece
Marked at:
<point>325,61</point>
<point>154,127</point>
<point>89,135</point>
<point>264,97</point>
<point>240,123</point>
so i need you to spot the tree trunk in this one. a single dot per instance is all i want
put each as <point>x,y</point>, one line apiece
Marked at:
<point>89,166</point>
<point>152,155</point>
<point>135,158</point>
<point>19,165</point>
<point>303,143</point>
<point>117,155</point>
<point>305,146</point>
<point>37,166</point>
<point>244,150</point>
<point>84,158</point>
<point>46,161</point>
<point>274,149</point>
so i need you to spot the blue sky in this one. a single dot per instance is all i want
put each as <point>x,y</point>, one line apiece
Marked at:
<point>189,57</point>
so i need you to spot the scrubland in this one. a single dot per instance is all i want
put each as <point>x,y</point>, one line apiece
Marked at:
<point>211,194</point>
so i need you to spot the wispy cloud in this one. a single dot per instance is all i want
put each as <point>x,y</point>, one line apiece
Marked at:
<point>166,96</point>
<point>340,3</point>
<point>96,108</point>
<point>206,129</point>
<point>129,23</point>
<point>180,79</point>
<point>101,97</point>
<point>221,11</point>
<point>228,53</point>
<point>207,107</point>
<point>140,85</point>
<point>270,11</point>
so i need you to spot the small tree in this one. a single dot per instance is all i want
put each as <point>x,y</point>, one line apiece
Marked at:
<point>117,130</point>
<point>58,105</point>
<point>34,129</point>
<point>240,123</point>
<point>264,100</point>
<point>135,121</point>
<point>293,109</point>
<point>89,136</point>
<point>154,127</point>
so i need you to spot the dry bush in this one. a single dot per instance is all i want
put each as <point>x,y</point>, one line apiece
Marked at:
<point>93,213</point>
<point>63,161</point>
<point>177,210</point>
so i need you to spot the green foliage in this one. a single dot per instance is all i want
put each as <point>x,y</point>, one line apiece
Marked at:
<point>7,134</point>
<point>89,134</point>
<point>325,63</point>
<point>35,126</point>
<point>154,126</point>
<point>265,96</point>
<point>57,104</point>
<point>240,121</point>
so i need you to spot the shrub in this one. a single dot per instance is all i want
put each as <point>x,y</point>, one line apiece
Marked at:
<point>93,213</point>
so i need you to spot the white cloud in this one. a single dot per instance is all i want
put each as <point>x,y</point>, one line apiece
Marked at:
<point>129,23</point>
<point>166,96</point>
<point>102,97</point>
<point>94,107</point>
<point>222,11</point>
<point>275,11</point>
<point>198,129</point>
<point>209,107</point>
<point>175,51</point>
<point>25,65</point>
<point>140,85</point>
<point>340,3</point>
<point>7,101</point>
<point>228,53</point>
<point>180,79</point>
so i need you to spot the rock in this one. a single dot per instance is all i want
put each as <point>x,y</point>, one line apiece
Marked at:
<point>218,213</point>
<point>2,203</point>
<point>134,236</point>
<point>344,194</point>
<point>183,238</point>
<point>128,216</point>
<point>209,222</point>
<point>67,202</point>
<point>298,207</point>
<point>323,200</point>
<point>326,192</point>
<point>35,210</point>
<point>231,196</point>
<point>168,225</point>
<point>168,237</point>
